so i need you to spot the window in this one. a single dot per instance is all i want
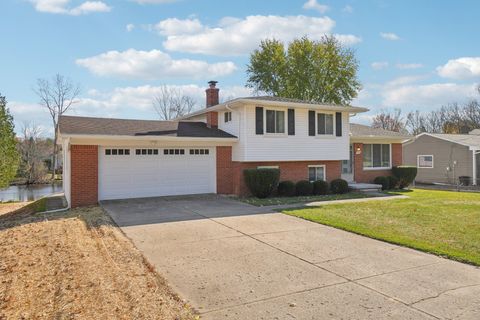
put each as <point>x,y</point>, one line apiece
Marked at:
<point>316,173</point>
<point>275,121</point>
<point>227,116</point>
<point>425,161</point>
<point>376,156</point>
<point>173,151</point>
<point>146,152</point>
<point>199,151</point>
<point>114,152</point>
<point>324,124</point>
<point>267,167</point>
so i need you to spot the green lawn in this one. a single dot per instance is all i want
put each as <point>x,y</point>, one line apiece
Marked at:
<point>441,222</point>
<point>275,201</point>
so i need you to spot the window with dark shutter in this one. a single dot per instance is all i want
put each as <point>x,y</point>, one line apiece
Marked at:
<point>338,124</point>
<point>258,120</point>
<point>291,122</point>
<point>311,123</point>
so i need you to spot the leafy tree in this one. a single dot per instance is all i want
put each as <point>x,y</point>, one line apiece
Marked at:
<point>8,152</point>
<point>320,71</point>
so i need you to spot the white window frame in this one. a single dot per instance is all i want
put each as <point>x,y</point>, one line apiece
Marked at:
<point>425,155</point>
<point>317,166</point>
<point>268,167</point>
<point>285,123</point>
<point>317,126</point>
<point>377,168</point>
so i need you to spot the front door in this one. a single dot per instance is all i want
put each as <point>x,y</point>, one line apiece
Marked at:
<point>347,167</point>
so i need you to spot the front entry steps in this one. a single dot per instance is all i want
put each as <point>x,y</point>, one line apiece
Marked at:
<point>365,187</point>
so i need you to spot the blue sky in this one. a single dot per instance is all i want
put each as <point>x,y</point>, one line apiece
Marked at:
<point>412,54</point>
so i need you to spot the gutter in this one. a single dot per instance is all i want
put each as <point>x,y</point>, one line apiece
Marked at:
<point>146,138</point>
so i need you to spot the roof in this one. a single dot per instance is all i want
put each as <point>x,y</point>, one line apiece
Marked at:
<point>72,125</point>
<point>469,140</point>
<point>360,130</point>
<point>279,102</point>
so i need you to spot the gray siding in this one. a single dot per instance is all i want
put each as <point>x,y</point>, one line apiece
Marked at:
<point>444,154</point>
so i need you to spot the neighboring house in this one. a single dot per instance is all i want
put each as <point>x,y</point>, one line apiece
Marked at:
<point>207,151</point>
<point>443,158</point>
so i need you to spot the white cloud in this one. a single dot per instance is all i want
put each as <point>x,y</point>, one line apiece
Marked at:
<point>314,5</point>
<point>150,65</point>
<point>348,9</point>
<point>62,7</point>
<point>427,96</point>
<point>461,68</point>
<point>233,36</point>
<point>408,66</point>
<point>379,65</point>
<point>129,27</point>
<point>389,36</point>
<point>348,39</point>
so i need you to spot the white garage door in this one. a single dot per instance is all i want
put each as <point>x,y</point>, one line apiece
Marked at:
<point>150,172</point>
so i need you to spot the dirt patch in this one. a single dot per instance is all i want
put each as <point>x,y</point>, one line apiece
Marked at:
<point>10,207</point>
<point>78,265</point>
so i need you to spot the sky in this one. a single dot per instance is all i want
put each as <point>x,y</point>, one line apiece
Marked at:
<point>412,54</point>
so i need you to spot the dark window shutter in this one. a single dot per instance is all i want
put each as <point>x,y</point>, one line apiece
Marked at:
<point>259,120</point>
<point>291,122</point>
<point>311,123</point>
<point>338,123</point>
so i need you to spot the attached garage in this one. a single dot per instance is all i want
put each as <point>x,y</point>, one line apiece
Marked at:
<point>107,159</point>
<point>126,172</point>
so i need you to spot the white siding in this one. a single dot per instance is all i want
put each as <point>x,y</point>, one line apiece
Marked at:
<point>301,146</point>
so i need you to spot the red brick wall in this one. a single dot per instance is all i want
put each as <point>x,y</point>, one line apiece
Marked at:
<point>289,170</point>
<point>224,170</point>
<point>367,176</point>
<point>212,119</point>
<point>84,175</point>
<point>212,96</point>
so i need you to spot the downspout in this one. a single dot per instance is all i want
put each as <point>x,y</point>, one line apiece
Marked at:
<point>475,174</point>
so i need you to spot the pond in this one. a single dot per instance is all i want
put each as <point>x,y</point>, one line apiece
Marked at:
<point>30,192</point>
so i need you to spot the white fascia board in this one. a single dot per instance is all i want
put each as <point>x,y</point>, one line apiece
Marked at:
<point>145,138</point>
<point>360,139</point>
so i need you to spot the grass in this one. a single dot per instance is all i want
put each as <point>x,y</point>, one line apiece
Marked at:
<point>440,222</point>
<point>78,264</point>
<point>274,201</point>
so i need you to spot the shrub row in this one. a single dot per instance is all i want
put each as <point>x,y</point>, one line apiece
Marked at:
<point>402,177</point>
<point>263,182</point>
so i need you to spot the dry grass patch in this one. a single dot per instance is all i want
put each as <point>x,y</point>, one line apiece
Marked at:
<point>11,206</point>
<point>78,264</point>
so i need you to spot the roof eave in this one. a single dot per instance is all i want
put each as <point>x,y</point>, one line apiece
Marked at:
<point>400,139</point>
<point>144,138</point>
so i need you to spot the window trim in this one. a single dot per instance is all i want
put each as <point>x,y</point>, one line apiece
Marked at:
<point>377,168</point>
<point>319,135</point>
<point>317,166</point>
<point>227,116</point>
<point>268,167</point>
<point>285,121</point>
<point>425,155</point>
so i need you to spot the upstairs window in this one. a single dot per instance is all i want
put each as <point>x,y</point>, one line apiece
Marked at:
<point>424,161</point>
<point>275,121</point>
<point>227,116</point>
<point>376,156</point>
<point>324,124</point>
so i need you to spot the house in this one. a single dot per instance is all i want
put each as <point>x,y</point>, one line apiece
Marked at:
<point>207,151</point>
<point>443,158</point>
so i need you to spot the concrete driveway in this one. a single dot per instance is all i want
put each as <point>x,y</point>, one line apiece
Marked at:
<point>234,261</point>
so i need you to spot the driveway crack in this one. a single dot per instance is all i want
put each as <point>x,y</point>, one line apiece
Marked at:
<point>444,292</point>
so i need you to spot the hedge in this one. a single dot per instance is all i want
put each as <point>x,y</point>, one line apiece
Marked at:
<point>320,187</point>
<point>405,175</point>
<point>286,189</point>
<point>384,181</point>
<point>339,186</point>
<point>304,188</point>
<point>261,182</point>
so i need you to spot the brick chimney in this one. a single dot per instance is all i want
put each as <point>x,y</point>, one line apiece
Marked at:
<point>212,100</point>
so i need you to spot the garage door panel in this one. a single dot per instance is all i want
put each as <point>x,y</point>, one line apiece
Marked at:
<point>132,176</point>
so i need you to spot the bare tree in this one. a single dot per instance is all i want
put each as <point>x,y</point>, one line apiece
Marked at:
<point>57,96</point>
<point>389,120</point>
<point>415,122</point>
<point>34,150</point>
<point>171,103</point>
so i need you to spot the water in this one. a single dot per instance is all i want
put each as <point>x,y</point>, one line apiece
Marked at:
<point>29,193</point>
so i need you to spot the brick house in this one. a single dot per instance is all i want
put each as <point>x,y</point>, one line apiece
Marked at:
<point>206,151</point>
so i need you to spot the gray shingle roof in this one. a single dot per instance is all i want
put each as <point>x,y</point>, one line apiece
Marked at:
<point>470,140</point>
<point>360,130</point>
<point>125,127</point>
